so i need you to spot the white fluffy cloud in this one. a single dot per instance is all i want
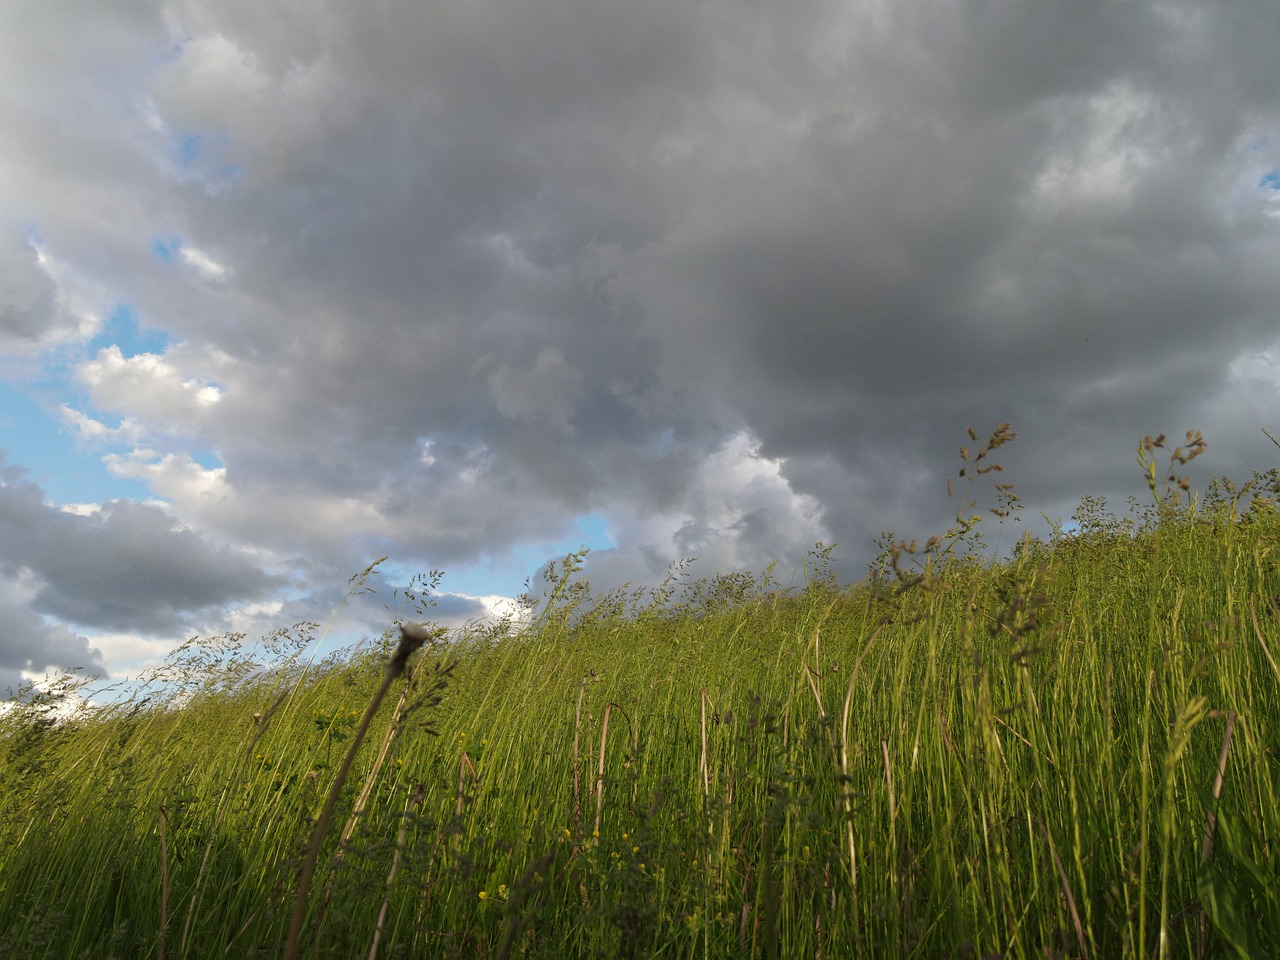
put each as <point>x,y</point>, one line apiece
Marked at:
<point>735,500</point>
<point>148,386</point>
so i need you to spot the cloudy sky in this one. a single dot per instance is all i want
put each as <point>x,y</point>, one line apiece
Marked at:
<point>290,285</point>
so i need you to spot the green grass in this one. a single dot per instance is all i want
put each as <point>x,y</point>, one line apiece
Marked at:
<point>1073,752</point>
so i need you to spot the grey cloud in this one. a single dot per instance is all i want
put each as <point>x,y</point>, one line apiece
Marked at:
<point>126,567</point>
<point>28,296</point>
<point>35,644</point>
<point>546,391</point>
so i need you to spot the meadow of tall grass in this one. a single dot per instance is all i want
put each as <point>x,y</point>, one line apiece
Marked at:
<point>1068,749</point>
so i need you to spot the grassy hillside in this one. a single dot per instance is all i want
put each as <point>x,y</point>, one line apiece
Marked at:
<point>1072,753</point>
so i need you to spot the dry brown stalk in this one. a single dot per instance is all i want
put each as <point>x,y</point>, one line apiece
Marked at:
<point>1066,892</point>
<point>1206,848</point>
<point>577,782</point>
<point>840,752</point>
<point>1001,721</point>
<point>888,780</point>
<point>393,728</point>
<point>1253,614</point>
<point>161,817</point>
<point>604,736</point>
<point>414,800</point>
<point>703,765</point>
<point>464,764</point>
<point>412,636</point>
<point>817,693</point>
<point>844,755</point>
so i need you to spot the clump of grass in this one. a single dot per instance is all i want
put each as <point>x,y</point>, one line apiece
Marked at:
<point>1068,750</point>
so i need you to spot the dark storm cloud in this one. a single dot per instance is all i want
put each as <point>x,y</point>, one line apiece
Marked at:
<point>1033,215</point>
<point>734,276</point>
<point>32,643</point>
<point>124,567</point>
<point>28,307</point>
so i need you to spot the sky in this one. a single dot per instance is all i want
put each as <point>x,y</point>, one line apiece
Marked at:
<point>287,286</point>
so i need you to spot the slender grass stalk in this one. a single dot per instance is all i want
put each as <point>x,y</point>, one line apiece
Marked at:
<point>1188,718</point>
<point>414,800</point>
<point>1206,847</point>
<point>1067,895</point>
<point>412,637</point>
<point>161,817</point>
<point>577,770</point>
<point>844,760</point>
<point>702,760</point>
<point>465,766</point>
<point>1257,632</point>
<point>604,738</point>
<point>393,728</point>
<point>893,814</point>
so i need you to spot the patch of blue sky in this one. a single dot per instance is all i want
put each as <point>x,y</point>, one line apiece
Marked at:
<point>1271,181</point>
<point>37,440</point>
<point>206,156</point>
<point>664,443</point>
<point>505,574</point>
<point>124,329</point>
<point>190,148</point>
<point>207,459</point>
<point>593,529</point>
<point>527,559</point>
<point>175,48</point>
<point>167,249</point>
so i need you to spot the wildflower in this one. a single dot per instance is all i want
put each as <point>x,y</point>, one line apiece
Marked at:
<point>502,890</point>
<point>484,895</point>
<point>636,850</point>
